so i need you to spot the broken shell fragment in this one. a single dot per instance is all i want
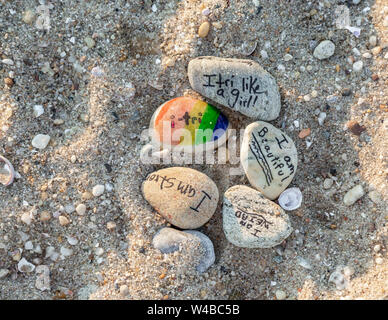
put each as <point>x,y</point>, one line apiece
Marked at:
<point>7,172</point>
<point>290,199</point>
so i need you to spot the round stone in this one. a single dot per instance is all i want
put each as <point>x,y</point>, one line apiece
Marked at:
<point>239,84</point>
<point>40,141</point>
<point>98,190</point>
<point>63,221</point>
<point>269,158</point>
<point>324,50</point>
<point>252,221</point>
<point>124,291</point>
<point>81,209</point>
<point>185,197</point>
<point>189,124</point>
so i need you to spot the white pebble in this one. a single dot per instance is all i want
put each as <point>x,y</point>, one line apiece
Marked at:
<point>7,61</point>
<point>290,199</point>
<point>154,8</point>
<point>99,251</point>
<point>280,295</point>
<point>66,252</point>
<point>327,184</point>
<point>321,118</point>
<point>367,55</point>
<point>376,248</point>
<point>288,57</point>
<point>353,195</point>
<point>28,245</point>
<point>26,218</point>
<point>72,241</point>
<point>264,54</point>
<point>124,290</point>
<point>372,41</point>
<point>81,209</point>
<point>40,141</point>
<point>357,66</point>
<point>69,208</point>
<point>379,260</point>
<point>38,110</point>
<point>98,190</point>
<point>324,50</point>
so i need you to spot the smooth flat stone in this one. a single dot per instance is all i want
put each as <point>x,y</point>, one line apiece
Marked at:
<point>252,221</point>
<point>269,158</point>
<point>185,197</point>
<point>169,240</point>
<point>239,84</point>
<point>190,124</point>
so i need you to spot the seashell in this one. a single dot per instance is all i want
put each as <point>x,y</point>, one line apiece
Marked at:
<point>290,199</point>
<point>7,172</point>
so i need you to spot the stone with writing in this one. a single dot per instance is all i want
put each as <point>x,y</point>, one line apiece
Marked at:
<point>269,158</point>
<point>239,84</point>
<point>189,124</point>
<point>185,197</point>
<point>252,221</point>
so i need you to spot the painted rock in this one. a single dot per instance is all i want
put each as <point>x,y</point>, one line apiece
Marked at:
<point>252,221</point>
<point>185,197</point>
<point>269,158</point>
<point>169,240</point>
<point>241,85</point>
<point>189,123</point>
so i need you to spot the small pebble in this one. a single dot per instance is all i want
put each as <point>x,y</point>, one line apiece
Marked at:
<point>40,141</point>
<point>89,42</point>
<point>63,221</point>
<point>357,66</point>
<point>38,110</point>
<point>327,184</point>
<point>379,260</point>
<point>346,92</point>
<point>124,290</point>
<point>376,50</point>
<point>353,195</point>
<point>28,245</point>
<point>376,248</point>
<point>204,29</point>
<point>45,216</point>
<point>367,55</point>
<point>9,82</point>
<point>81,209</point>
<point>111,225</point>
<point>28,16</point>
<point>372,41</point>
<point>304,133</point>
<point>66,252</point>
<point>98,190</point>
<point>3,273</point>
<point>288,57</point>
<point>324,50</point>
<point>280,295</point>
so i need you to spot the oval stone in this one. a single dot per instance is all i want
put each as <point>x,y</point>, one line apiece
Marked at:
<point>188,123</point>
<point>269,158</point>
<point>185,197</point>
<point>252,221</point>
<point>239,84</point>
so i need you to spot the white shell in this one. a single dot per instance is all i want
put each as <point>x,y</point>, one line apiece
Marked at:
<point>8,166</point>
<point>290,199</point>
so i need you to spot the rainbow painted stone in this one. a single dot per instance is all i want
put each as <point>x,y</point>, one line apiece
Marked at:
<point>188,122</point>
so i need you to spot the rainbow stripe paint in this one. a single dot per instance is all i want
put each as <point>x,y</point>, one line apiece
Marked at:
<point>196,116</point>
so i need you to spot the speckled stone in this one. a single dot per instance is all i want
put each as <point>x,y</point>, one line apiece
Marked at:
<point>185,197</point>
<point>252,221</point>
<point>239,84</point>
<point>324,50</point>
<point>269,158</point>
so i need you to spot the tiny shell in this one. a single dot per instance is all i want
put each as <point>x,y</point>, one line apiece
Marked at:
<point>7,167</point>
<point>290,199</point>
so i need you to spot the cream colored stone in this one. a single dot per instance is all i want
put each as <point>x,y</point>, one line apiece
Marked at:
<point>184,197</point>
